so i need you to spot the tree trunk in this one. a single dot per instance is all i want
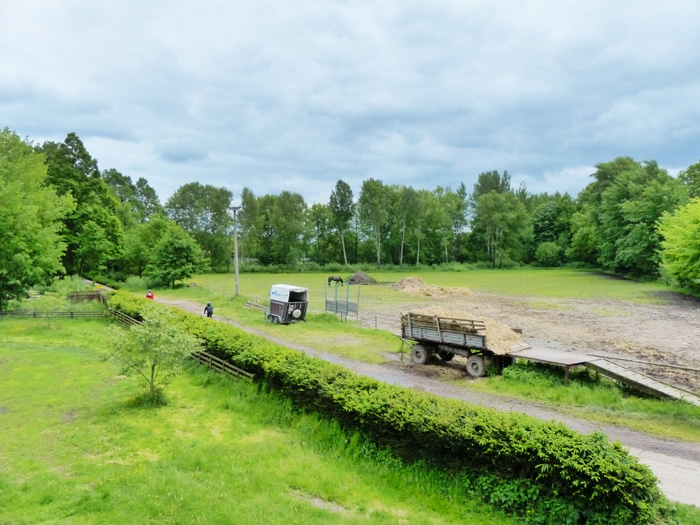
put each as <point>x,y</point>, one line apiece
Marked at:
<point>378,245</point>
<point>342,241</point>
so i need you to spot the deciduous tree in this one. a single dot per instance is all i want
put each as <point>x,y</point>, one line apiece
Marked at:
<point>30,219</point>
<point>154,350</point>
<point>680,247</point>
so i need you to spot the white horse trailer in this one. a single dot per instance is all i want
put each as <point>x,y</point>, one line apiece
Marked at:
<point>287,303</point>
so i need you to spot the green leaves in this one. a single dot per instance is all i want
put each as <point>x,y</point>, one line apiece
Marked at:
<point>680,251</point>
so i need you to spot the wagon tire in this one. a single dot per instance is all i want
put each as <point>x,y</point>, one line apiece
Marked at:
<point>419,354</point>
<point>445,356</point>
<point>476,366</point>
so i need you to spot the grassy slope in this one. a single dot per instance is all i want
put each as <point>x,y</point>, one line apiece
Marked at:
<point>74,451</point>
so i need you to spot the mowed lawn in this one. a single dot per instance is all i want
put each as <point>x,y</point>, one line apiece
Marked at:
<point>74,449</point>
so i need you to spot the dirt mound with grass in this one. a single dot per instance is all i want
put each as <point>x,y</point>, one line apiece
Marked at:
<point>500,338</point>
<point>360,278</point>
<point>416,286</point>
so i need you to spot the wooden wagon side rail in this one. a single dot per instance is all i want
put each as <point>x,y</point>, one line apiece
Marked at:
<point>451,324</point>
<point>218,364</point>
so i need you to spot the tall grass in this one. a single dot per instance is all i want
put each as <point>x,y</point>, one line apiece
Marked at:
<point>75,449</point>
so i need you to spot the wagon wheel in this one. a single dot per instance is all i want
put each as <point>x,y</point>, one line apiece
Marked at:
<point>445,355</point>
<point>476,366</point>
<point>419,354</point>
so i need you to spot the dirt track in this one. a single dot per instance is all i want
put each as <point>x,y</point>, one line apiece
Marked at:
<point>642,332</point>
<point>668,333</point>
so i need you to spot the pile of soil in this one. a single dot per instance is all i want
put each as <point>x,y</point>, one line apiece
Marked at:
<point>360,278</point>
<point>415,286</point>
<point>500,338</point>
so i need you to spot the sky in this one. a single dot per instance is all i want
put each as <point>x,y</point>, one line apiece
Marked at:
<point>294,96</point>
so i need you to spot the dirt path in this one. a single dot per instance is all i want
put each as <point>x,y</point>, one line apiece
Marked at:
<point>675,463</point>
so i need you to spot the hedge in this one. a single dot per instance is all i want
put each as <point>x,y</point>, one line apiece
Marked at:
<point>518,461</point>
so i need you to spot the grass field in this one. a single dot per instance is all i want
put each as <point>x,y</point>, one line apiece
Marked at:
<point>75,449</point>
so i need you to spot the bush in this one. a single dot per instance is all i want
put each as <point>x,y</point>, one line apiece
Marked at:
<point>549,254</point>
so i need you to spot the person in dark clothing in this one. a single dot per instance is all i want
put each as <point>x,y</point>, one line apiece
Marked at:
<point>209,310</point>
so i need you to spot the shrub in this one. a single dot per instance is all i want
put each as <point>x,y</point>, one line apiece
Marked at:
<point>549,254</point>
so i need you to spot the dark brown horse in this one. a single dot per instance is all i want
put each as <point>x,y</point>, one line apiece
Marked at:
<point>335,279</point>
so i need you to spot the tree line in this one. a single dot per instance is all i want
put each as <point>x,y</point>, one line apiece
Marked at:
<point>60,213</point>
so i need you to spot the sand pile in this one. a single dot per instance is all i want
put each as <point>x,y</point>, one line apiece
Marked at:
<point>415,286</point>
<point>500,338</point>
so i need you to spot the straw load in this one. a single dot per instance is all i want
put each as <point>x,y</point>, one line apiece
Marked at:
<point>500,338</point>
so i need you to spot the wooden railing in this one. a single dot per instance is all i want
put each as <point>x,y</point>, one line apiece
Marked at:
<point>122,317</point>
<point>38,313</point>
<point>218,364</point>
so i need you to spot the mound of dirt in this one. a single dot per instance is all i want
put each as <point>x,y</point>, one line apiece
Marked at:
<point>360,278</point>
<point>416,286</point>
<point>500,338</point>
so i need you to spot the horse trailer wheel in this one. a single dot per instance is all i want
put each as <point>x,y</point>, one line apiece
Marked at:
<point>419,354</point>
<point>445,356</point>
<point>476,366</point>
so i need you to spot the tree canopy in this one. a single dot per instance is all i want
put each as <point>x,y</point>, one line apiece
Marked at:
<point>31,248</point>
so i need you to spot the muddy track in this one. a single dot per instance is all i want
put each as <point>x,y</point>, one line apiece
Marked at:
<point>675,463</point>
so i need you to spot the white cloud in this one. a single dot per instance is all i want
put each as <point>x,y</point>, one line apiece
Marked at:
<point>278,96</point>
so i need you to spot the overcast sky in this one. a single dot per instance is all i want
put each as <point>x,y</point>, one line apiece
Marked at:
<point>293,96</point>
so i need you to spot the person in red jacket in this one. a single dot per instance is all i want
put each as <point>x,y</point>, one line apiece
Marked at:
<point>149,295</point>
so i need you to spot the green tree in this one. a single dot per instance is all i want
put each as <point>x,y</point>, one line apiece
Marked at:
<point>202,210</point>
<point>30,213</point>
<point>629,210</point>
<point>141,240</point>
<point>680,247</point>
<point>374,207</point>
<point>320,221</point>
<point>249,224</point>
<point>287,220</point>
<point>342,211</point>
<point>177,256</point>
<point>551,222</point>
<point>690,178</point>
<point>154,350</point>
<point>72,171</point>
<point>139,201</point>
<point>507,226</point>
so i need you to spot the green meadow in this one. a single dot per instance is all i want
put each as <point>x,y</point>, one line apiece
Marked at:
<point>78,448</point>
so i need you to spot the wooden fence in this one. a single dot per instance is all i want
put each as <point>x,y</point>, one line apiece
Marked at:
<point>220,365</point>
<point>37,313</point>
<point>122,317</point>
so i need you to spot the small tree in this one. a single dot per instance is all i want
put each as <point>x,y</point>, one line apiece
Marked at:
<point>154,350</point>
<point>176,256</point>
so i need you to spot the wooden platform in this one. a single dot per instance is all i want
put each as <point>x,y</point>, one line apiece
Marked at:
<point>607,368</point>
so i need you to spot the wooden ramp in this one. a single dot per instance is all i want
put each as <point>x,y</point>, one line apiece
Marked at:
<point>639,381</point>
<point>607,368</point>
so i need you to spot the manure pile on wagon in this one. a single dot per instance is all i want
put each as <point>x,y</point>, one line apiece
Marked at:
<point>416,286</point>
<point>500,338</point>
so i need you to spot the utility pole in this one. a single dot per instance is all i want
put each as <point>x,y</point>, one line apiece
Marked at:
<point>235,209</point>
